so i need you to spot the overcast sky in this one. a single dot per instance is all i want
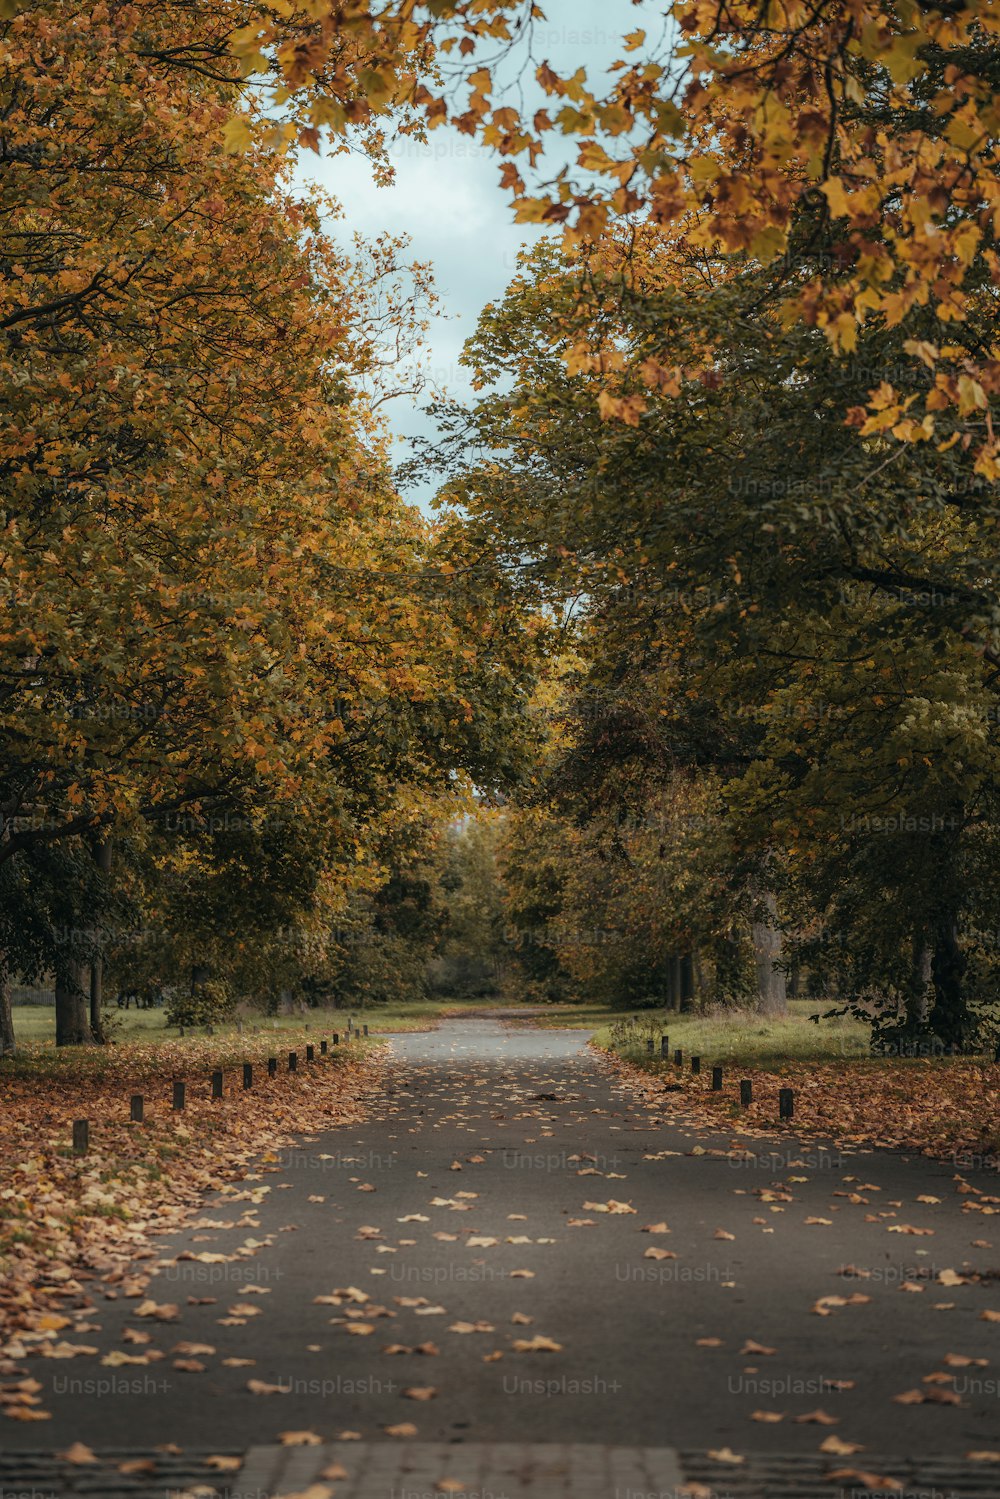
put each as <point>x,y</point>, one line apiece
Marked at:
<point>447,198</point>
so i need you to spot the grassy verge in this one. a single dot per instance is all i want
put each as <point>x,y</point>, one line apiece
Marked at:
<point>726,1036</point>
<point>947,1107</point>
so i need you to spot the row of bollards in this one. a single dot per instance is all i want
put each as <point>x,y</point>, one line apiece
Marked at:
<point>786,1096</point>
<point>137,1102</point>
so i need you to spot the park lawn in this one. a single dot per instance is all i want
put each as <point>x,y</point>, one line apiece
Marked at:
<point>730,1036</point>
<point>948,1107</point>
<point>35,1025</point>
<point>143,1048</point>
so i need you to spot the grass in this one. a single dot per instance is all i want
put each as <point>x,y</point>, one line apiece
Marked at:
<point>144,1047</point>
<point>723,1036</point>
<point>738,1036</point>
<point>35,1025</point>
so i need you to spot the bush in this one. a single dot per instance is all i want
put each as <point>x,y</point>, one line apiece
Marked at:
<point>210,1002</point>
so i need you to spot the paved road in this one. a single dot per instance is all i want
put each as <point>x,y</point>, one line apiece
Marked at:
<point>514,1190</point>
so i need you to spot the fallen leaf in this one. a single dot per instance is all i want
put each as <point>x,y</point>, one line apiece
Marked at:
<point>873,1481</point>
<point>837,1447</point>
<point>726,1455</point>
<point>78,1455</point>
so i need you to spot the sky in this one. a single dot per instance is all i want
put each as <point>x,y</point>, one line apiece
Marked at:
<point>447,198</point>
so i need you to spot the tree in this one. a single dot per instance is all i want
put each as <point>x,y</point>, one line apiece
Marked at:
<point>770,594</point>
<point>219,609</point>
<point>863,133</point>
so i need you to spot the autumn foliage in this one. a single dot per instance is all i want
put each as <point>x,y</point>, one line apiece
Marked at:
<point>213,653</point>
<point>865,131</point>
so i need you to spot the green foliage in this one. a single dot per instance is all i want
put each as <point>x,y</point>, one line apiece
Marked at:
<point>208,1002</point>
<point>793,618</point>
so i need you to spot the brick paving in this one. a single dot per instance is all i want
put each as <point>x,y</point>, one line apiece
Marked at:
<point>492,1470</point>
<point>486,1470</point>
<point>502,1470</point>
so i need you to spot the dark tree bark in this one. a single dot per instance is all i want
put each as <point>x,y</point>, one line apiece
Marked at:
<point>950,1019</point>
<point>687,982</point>
<point>921,985</point>
<point>771,997</point>
<point>102,857</point>
<point>97,1000</point>
<point>8,1044</point>
<point>72,1019</point>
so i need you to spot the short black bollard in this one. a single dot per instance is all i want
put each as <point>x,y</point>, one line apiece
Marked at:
<point>247,1075</point>
<point>322,1048</point>
<point>746,1093</point>
<point>81,1136</point>
<point>716,1079</point>
<point>366,1030</point>
<point>135,1108</point>
<point>649,1046</point>
<point>678,1058</point>
<point>336,1038</point>
<point>786,1103</point>
<point>216,1084</point>
<point>293,1061</point>
<point>310,1053</point>
<point>665,1048</point>
<point>180,1096</point>
<point>696,1064</point>
<point>272,1066</point>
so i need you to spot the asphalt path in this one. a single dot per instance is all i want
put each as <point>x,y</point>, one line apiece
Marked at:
<point>523,1247</point>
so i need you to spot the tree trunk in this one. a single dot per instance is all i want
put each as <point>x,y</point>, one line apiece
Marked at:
<point>96,999</point>
<point>687,982</point>
<point>794,977</point>
<point>72,1021</point>
<point>950,1018</point>
<point>102,858</point>
<point>918,1005</point>
<point>8,1045</point>
<point>771,997</point>
<point>673,983</point>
